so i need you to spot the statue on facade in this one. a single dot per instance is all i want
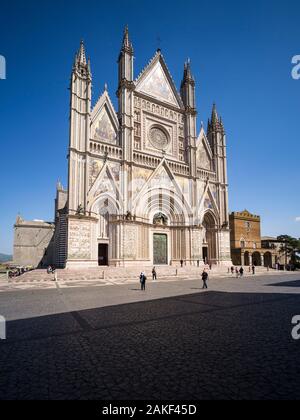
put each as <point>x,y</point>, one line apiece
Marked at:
<point>160,219</point>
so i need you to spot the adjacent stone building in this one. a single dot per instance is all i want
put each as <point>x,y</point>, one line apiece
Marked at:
<point>246,243</point>
<point>33,243</point>
<point>283,256</point>
<point>144,186</point>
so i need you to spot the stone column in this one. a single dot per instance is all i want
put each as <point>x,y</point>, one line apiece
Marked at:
<point>273,261</point>
<point>250,260</point>
<point>243,259</point>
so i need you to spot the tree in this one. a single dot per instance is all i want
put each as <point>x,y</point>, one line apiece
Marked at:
<point>291,248</point>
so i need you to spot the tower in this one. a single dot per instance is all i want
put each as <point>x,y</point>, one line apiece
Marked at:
<point>80,112</point>
<point>217,139</point>
<point>187,91</point>
<point>125,97</point>
<point>81,226</point>
<point>126,114</point>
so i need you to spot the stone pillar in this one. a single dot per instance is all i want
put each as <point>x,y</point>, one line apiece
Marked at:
<point>243,259</point>
<point>273,260</point>
<point>262,260</point>
<point>250,260</point>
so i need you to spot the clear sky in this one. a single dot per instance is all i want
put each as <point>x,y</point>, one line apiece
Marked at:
<point>241,54</point>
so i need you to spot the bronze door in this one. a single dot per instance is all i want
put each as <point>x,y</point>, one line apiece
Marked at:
<point>160,249</point>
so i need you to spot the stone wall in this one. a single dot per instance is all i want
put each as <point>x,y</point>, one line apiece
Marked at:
<point>33,243</point>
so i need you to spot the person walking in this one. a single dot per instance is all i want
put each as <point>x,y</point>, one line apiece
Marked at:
<point>253,269</point>
<point>204,279</point>
<point>232,270</point>
<point>54,272</point>
<point>181,263</point>
<point>143,280</point>
<point>154,274</point>
<point>241,272</point>
<point>237,273</point>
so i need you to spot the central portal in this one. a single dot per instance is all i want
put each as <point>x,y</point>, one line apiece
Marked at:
<point>160,249</point>
<point>102,254</point>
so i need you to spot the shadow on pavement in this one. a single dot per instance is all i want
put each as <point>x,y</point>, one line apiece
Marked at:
<point>294,283</point>
<point>193,347</point>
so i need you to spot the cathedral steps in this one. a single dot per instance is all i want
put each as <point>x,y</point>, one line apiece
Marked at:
<point>127,274</point>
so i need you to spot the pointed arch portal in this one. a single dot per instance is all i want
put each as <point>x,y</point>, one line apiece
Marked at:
<point>210,239</point>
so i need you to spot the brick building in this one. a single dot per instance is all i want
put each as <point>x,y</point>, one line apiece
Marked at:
<point>246,243</point>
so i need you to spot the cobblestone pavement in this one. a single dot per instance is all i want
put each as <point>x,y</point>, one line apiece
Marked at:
<point>172,342</point>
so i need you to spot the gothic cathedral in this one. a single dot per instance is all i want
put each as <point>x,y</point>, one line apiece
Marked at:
<point>144,187</point>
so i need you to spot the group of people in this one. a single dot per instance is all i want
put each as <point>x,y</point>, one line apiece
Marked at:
<point>143,278</point>
<point>240,272</point>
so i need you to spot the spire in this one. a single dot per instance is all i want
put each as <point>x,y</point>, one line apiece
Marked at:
<point>127,45</point>
<point>81,65</point>
<point>187,73</point>
<point>214,115</point>
<point>187,88</point>
<point>81,57</point>
<point>216,123</point>
<point>125,60</point>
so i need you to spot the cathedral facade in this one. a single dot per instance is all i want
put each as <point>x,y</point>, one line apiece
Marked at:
<point>144,187</point>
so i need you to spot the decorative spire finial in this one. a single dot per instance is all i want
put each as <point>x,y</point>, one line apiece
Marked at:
<point>214,114</point>
<point>127,45</point>
<point>81,57</point>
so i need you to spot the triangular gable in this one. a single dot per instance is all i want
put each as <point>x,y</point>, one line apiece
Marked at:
<point>155,81</point>
<point>163,178</point>
<point>208,201</point>
<point>105,125</point>
<point>204,153</point>
<point>105,184</point>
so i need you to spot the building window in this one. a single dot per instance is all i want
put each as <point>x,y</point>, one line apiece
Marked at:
<point>243,244</point>
<point>248,226</point>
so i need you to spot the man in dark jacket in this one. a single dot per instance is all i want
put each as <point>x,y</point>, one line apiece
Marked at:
<point>204,279</point>
<point>143,280</point>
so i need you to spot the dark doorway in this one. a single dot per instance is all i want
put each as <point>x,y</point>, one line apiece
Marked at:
<point>102,254</point>
<point>256,259</point>
<point>160,249</point>
<point>268,260</point>
<point>247,258</point>
<point>205,255</point>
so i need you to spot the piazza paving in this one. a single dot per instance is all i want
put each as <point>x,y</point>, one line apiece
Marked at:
<point>174,341</point>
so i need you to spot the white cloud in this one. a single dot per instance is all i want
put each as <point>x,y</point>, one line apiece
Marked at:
<point>297,219</point>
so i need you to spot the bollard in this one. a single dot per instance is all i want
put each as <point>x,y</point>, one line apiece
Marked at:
<point>2,328</point>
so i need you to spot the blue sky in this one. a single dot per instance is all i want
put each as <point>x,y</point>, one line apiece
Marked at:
<point>241,56</point>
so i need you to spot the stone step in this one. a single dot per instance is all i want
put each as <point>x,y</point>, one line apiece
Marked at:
<point>117,273</point>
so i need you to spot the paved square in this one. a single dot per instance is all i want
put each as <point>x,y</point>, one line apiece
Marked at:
<point>172,342</point>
